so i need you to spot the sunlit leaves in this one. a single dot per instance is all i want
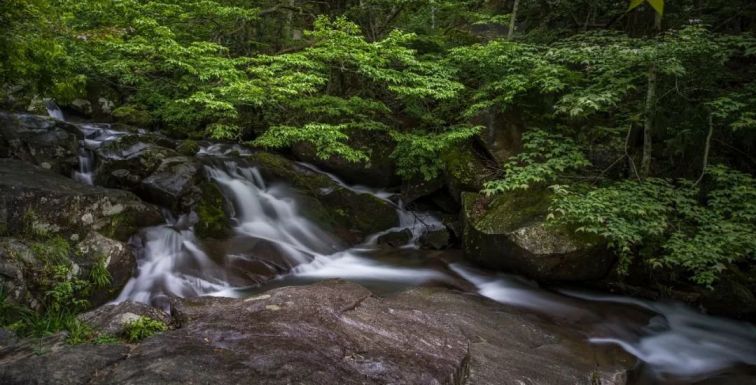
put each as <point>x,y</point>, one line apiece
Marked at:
<point>544,158</point>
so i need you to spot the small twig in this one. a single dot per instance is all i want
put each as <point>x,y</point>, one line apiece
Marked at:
<point>706,150</point>
<point>627,154</point>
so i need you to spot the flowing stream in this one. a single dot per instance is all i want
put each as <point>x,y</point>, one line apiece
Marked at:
<point>274,244</point>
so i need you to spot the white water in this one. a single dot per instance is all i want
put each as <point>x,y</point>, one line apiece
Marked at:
<point>417,222</point>
<point>682,342</point>
<point>54,111</point>
<point>173,263</point>
<point>676,342</point>
<point>94,136</point>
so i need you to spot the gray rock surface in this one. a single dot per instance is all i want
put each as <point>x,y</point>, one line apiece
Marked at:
<point>44,141</point>
<point>334,332</point>
<point>509,232</point>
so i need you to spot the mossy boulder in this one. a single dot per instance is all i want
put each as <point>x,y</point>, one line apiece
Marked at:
<point>509,232</point>
<point>212,213</point>
<point>133,115</point>
<point>378,171</point>
<point>89,225</point>
<point>62,206</point>
<point>349,214</point>
<point>188,147</point>
<point>46,142</point>
<point>464,170</point>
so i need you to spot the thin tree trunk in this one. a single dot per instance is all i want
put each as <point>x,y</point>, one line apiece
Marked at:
<point>513,18</point>
<point>648,126</point>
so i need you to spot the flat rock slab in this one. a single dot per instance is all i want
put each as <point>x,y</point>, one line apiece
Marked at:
<point>337,332</point>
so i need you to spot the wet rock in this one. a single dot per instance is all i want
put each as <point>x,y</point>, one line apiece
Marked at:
<point>730,295</point>
<point>118,258</point>
<point>501,137</point>
<point>31,196</point>
<point>436,239</point>
<point>378,171</point>
<point>464,170</point>
<point>188,147</point>
<point>417,188</point>
<point>335,332</point>
<point>46,142</point>
<point>112,318</point>
<point>93,222</point>
<point>509,232</point>
<point>174,183</point>
<point>123,163</point>
<point>213,213</point>
<point>349,214</point>
<point>395,238</point>
<point>147,165</point>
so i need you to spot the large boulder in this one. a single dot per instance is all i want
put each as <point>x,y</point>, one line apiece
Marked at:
<point>464,170</point>
<point>147,165</point>
<point>125,162</point>
<point>32,196</point>
<point>378,171</point>
<point>334,332</point>
<point>37,205</point>
<point>509,232</point>
<point>44,141</point>
<point>175,183</point>
<point>348,213</point>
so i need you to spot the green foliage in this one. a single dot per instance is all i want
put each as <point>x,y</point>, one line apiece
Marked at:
<point>613,66</point>
<point>63,292</point>
<point>698,229</point>
<point>543,159</point>
<point>419,155</point>
<point>142,328</point>
<point>504,72</point>
<point>99,275</point>
<point>426,73</point>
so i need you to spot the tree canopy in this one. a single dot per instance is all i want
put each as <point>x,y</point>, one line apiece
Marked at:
<point>639,115</point>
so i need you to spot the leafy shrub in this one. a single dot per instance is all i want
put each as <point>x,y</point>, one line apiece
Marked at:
<point>545,157</point>
<point>142,328</point>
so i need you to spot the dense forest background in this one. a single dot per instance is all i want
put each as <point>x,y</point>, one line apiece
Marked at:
<point>639,121</point>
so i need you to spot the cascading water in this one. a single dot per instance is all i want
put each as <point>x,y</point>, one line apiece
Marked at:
<point>417,222</point>
<point>94,136</point>
<point>267,220</point>
<point>54,111</point>
<point>675,342</point>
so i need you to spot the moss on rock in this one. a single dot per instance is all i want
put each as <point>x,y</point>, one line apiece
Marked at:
<point>509,232</point>
<point>464,170</point>
<point>188,147</point>
<point>349,214</point>
<point>213,219</point>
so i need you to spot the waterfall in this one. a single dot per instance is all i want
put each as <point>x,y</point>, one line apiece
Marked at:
<point>53,110</point>
<point>268,221</point>
<point>95,135</point>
